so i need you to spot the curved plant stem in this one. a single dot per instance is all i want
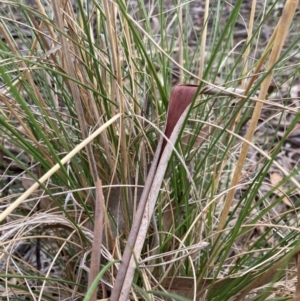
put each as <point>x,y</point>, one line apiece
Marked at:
<point>180,100</point>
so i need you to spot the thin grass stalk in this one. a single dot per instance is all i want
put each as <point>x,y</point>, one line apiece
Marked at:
<point>53,262</point>
<point>117,87</point>
<point>297,292</point>
<point>26,73</point>
<point>247,51</point>
<point>27,131</point>
<point>210,85</point>
<point>261,61</point>
<point>203,41</point>
<point>93,110</point>
<point>136,108</point>
<point>111,46</point>
<point>147,84</point>
<point>55,168</point>
<point>97,240</point>
<point>97,279</point>
<point>279,40</point>
<point>283,27</point>
<point>39,27</point>
<point>69,68</point>
<point>180,40</point>
<point>122,273</point>
<point>267,275</point>
<point>47,24</point>
<point>92,116</point>
<point>44,41</point>
<point>239,114</point>
<point>131,66</point>
<point>180,100</point>
<point>246,60</point>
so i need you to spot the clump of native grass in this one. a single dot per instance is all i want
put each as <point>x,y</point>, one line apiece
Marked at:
<point>84,96</point>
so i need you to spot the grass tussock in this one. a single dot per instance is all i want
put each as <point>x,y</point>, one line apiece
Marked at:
<point>115,178</point>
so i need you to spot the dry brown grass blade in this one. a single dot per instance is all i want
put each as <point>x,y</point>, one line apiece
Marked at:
<point>268,275</point>
<point>181,42</point>
<point>281,34</point>
<point>180,99</point>
<point>98,234</point>
<point>203,41</point>
<point>4,99</point>
<point>297,293</point>
<point>27,73</point>
<point>70,70</point>
<point>55,168</point>
<point>183,285</point>
<point>111,12</point>
<point>249,37</point>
